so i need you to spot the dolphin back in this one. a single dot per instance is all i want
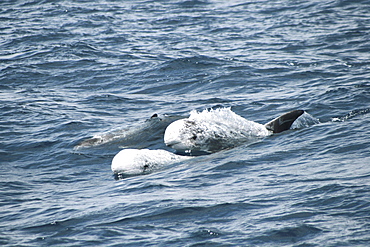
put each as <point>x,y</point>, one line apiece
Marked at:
<point>284,122</point>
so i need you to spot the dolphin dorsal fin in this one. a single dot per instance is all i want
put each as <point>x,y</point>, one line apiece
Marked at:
<point>283,122</point>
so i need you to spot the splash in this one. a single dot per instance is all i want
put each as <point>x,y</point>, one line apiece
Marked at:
<point>304,121</point>
<point>230,122</point>
<point>351,115</point>
<point>211,131</point>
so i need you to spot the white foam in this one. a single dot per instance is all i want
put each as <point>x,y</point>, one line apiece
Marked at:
<point>212,131</point>
<point>229,121</point>
<point>305,120</point>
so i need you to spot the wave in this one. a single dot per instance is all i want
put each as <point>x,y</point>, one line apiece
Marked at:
<point>352,114</point>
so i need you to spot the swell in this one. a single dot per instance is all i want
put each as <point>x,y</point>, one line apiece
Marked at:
<point>181,214</point>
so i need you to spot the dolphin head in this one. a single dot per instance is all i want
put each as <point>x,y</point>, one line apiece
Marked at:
<point>182,135</point>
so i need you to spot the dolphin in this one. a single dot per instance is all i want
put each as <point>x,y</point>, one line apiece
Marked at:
<point>212,130</point>
<point>132,162</point>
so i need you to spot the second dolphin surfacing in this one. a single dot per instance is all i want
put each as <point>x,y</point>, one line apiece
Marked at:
<point>210,131</point>
<point>141,161</point>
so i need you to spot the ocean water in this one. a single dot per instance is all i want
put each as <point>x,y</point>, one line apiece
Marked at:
<point>79,81</point>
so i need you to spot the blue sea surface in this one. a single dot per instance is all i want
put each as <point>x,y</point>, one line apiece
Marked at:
<point>75,70</point>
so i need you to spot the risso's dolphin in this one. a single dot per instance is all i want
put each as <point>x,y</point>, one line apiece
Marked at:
<point>210,131</point>
<point>141,161</point>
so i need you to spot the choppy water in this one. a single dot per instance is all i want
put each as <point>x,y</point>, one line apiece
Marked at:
<point>71,70</point>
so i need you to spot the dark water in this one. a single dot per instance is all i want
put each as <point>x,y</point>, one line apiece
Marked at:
<point>71,70</point>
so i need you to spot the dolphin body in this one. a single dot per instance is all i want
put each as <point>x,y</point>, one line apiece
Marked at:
<point>210,131</point>
<point>132,162</point>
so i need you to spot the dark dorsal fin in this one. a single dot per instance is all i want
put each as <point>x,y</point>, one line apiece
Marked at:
<point>283,122</point>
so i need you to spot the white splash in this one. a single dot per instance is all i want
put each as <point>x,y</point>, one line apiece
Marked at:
<point>304,121</point>
<point>211,131</point>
